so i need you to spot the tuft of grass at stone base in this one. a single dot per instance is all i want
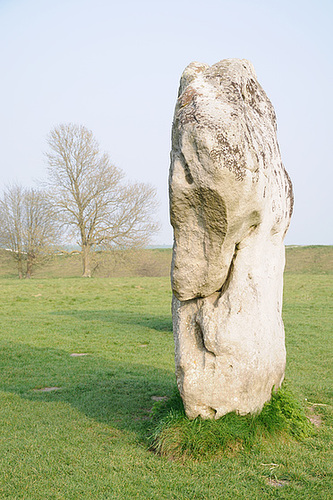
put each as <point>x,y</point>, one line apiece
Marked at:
<point>177,437</point>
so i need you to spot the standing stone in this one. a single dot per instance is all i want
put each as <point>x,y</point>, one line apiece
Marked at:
<point>230,203</point>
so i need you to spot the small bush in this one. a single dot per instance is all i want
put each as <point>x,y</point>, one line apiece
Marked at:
<point>175,436</point>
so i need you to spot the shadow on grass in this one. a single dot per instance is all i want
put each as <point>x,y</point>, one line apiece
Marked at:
<point>158,323</point>
<point>114,393</point>
<point>123,395</point>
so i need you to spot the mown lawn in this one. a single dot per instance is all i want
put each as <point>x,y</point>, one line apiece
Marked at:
<point>88,438</point>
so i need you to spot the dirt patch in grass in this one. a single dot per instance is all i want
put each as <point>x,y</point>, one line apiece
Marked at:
<point>277,483</point>
<point>47,389</point>
<point>313,417</point>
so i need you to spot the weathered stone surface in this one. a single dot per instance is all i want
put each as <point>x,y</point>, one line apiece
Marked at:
<point>230,204</point>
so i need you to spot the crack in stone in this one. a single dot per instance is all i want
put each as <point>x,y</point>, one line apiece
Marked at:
<point>227,281</point>
<point>200,339</point>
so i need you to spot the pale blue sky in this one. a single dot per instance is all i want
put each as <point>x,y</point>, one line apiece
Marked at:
<point>114,66</point>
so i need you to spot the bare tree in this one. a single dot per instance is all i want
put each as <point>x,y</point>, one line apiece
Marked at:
<point>41,228</point>
<point>91,197</point>
<point>12,224</point>
<point>28,226</point>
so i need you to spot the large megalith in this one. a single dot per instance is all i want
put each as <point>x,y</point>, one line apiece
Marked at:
<point>230,204</point>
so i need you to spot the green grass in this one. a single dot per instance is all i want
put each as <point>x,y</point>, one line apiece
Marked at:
<point>177,437</point>
<point>89,438</point>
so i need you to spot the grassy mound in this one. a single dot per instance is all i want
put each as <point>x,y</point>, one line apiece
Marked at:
<point>177,437</point>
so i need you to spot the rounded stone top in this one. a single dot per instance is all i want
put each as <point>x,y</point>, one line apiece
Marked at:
<point>233,69</point>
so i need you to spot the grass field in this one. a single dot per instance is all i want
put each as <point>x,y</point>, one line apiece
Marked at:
<point>76,427</point>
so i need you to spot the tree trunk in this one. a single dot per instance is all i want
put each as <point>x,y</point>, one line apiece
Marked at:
<point>86,261</point>
<point>19,265</point>
<point>29,266</point>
